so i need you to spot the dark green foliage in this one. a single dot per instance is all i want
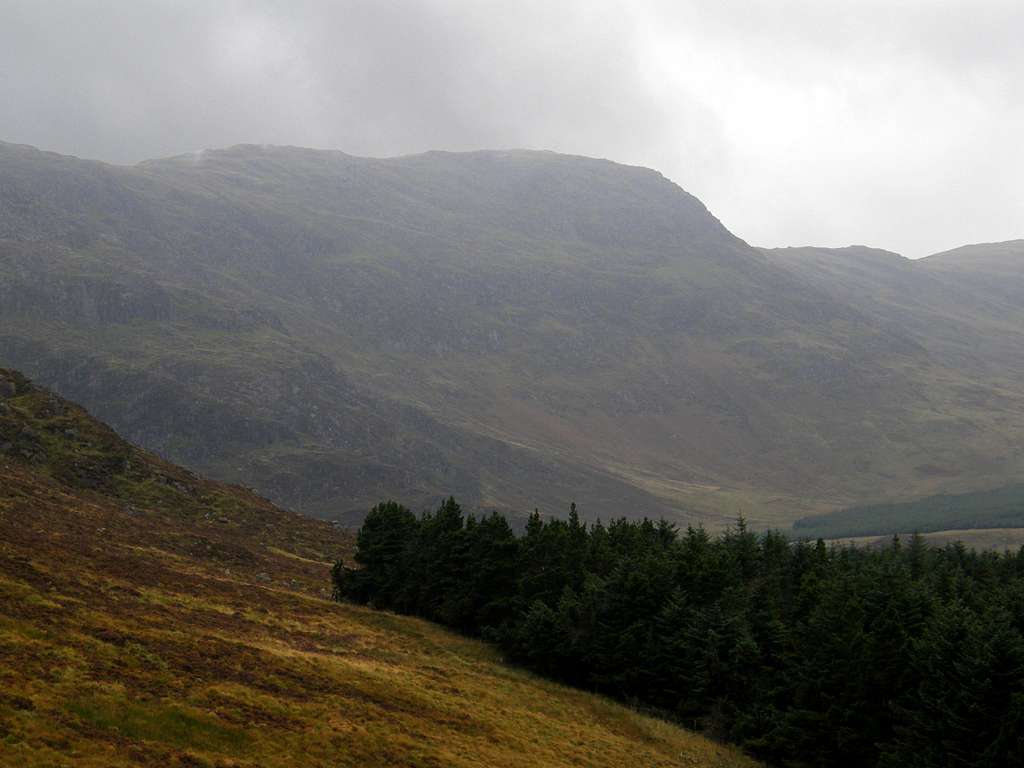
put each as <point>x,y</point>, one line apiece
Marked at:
<point>804,654</point>
<point>999,508</point>
<point>384,540</point>
<point>967,708</point>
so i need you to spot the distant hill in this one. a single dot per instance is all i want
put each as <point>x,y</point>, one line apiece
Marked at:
<point>983,261</point>
<point>517,328</point>
<point>149,616</point>
<point>965,306</point>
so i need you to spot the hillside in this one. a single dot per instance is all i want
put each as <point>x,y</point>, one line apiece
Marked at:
<point>517,328</point>
<point>966,309</point>
<point>151,617</point>
<point>965,306</point>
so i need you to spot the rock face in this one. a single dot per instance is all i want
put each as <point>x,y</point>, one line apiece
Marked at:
<point>518,328</point>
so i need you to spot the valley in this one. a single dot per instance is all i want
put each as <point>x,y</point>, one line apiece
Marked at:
<point>454,384</point>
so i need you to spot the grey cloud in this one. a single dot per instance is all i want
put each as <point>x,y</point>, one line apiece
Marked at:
<point>893,124</point>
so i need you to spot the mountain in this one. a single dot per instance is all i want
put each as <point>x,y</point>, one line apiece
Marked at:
<point>149,616</point>
<point>517,328</point>
<point>965,306</point>
<point>966,309</point>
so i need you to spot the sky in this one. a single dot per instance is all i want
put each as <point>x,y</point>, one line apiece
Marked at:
<point>897,124</point>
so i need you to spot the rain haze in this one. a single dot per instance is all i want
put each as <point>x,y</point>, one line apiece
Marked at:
<point>893,124</point>
<point>512,384</point>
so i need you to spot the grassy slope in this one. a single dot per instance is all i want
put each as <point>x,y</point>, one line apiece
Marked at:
<point>966,307</point>
<point>150,617</point>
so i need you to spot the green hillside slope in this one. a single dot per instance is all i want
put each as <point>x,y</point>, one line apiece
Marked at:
<point>965,306</point>
<point>518,328</point>
<point>151,617</point>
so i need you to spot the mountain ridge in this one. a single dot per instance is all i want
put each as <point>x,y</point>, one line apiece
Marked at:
<point>552,328</point>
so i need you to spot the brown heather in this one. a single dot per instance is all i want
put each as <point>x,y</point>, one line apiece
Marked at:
<point>151,617</point>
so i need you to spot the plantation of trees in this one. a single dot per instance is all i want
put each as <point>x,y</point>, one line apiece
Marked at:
<point>998,508</point>
<point>804,654</point>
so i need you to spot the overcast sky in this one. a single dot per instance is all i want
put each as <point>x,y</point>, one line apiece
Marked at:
<point>898,124</point>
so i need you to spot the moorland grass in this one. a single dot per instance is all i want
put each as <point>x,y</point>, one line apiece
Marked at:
<point>194,627</point>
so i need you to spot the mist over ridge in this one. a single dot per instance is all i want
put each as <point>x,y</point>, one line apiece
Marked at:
<point>519,327</point>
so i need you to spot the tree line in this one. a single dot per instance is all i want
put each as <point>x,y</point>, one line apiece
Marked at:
<point>997,508</point>
<point>802,653</point>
